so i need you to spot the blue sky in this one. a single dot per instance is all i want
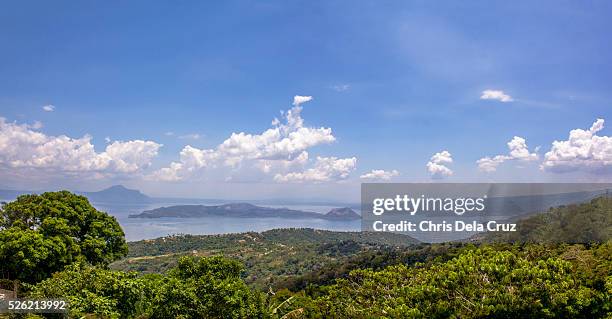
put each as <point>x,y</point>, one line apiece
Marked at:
<point>397,82</point>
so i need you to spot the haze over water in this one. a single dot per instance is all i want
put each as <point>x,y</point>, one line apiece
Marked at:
<point>148,228</point>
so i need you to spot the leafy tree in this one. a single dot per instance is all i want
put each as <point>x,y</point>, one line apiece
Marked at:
<point>480,283</point>
<point>41,234</point>
<point>92,290</point>
<point>196,288</point>
<point>206,288</point>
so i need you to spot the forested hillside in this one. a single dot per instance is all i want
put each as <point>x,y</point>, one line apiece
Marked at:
<point>581,223</point>
<point>270,257</point>
<point>486,282</point>
<point>520,281</point>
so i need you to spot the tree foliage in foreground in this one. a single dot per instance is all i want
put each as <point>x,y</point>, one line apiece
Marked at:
<point>196,288</point>
<point>41,234</point>
<point>93,290</point>
<point>206,288</point>
<point>518,282</point>
<point>480,283</point>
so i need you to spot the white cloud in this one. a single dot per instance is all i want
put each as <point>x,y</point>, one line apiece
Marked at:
<point>48,108</point>
<point>379,174</point>
<point>297,163</point>
<point>496,95</point>
<point>518,150</point>
<point>341,87</point>
<point>107,139</point>
<point>131,156</point>
<point>437,165</point>
<point>36,125</point>
<point>23,148</point>
<point>169,133</point>
<point>170,173</point>
<point>326,169</point>
<point>298,100</point>
<point>276,149</point>
<point>442,157</point>
<point>489,164</point>
<point>583,150</point>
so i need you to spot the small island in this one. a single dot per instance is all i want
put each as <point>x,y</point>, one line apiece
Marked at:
<point>244,210</point>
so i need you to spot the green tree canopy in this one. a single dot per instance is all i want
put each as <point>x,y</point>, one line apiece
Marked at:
<point>481,283</point>
<point>206,288</point>
<point>41,234</point>
<point>196,288</point>
<point>92,290</point>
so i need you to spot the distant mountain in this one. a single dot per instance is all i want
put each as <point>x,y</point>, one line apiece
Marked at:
<point>113,194</point>
<point>117,194</point>
<point>344,213</point>
<point>243,210</point>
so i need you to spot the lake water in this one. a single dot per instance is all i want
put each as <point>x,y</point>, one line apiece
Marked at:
<point>147,228</point>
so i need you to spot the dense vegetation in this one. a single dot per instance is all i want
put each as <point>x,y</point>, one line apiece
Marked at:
<point>348,275</point>
<point>578,223</point>
<point>270,257</point>
<point>196,288</point>
<point>478,283</point>
<point>512,281</point>
<point>41,234</point>
<point>287,236</point>
<point>375,259</point>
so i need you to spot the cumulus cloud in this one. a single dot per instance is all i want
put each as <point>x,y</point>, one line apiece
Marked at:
<point>583,150</point>
<point>379,174</point>
<point>489,164</point>
<point>325,169</point>
<point>280,148</point>
<point>518,150</point>
<point>297,163</point>
<point>131,156</point>
<point>437,165</point>
<point>191,160</point>
<point>498,95</point>
<point>22,147</point>
<point>298,100</point>
<point>48,108</point>
<point>281,142</point>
